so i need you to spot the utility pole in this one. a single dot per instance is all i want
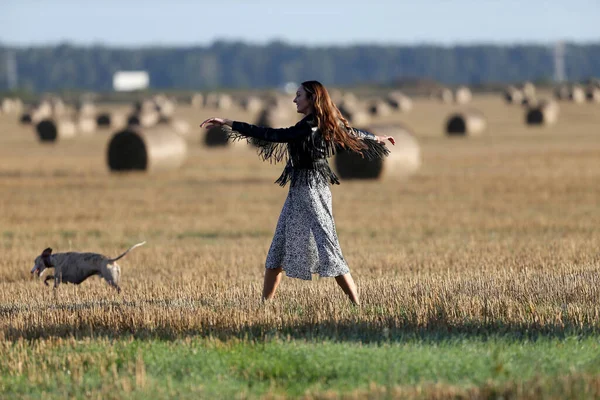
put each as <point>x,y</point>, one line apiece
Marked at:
<point>559,62</point>
<point>12,78</point>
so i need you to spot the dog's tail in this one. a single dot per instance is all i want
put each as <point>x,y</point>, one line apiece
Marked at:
<point>127,251</point>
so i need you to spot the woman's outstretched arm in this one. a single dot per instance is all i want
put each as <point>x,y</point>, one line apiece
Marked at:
<point>278,135</point>
<point>368,135</point>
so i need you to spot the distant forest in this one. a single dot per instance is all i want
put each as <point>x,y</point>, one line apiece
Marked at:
<point>225,65</point>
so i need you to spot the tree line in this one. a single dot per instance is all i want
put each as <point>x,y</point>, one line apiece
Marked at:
<point>241,65</point>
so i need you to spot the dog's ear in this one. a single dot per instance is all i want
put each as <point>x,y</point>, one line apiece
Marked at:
<point>47,252</point>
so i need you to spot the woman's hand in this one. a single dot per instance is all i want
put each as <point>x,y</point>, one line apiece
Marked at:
<point>383,139</point>
<point>212,122</point>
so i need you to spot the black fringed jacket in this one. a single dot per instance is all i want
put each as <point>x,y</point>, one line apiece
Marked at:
<point>303,147</point>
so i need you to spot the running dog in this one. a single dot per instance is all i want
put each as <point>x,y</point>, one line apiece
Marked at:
<point>77,267</point>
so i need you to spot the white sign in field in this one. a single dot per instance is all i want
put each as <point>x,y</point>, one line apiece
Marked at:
<point>126,81</point>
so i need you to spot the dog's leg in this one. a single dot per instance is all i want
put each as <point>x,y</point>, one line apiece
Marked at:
<point>57,278</point>
<point>47,279</point>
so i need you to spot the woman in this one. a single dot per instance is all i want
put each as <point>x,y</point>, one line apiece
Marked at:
<point>305,240</point>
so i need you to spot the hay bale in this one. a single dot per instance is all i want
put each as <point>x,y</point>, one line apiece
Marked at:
<point>468,122</point>
<point>164,106</point>
<point>445,95</point>
<point>217,136</point>
<point>462,95</point>
<point>543,113</point>
<point>9,105</point>
<point>105,120</point>
<point>528,89</point>
<point>379,108</point>
<point>52,130</point>
<point>513,95</point>
<point>86,108</point>
<point>219,101</point>
<point>279,116</point>
<point>251,104</point>
<point>592,94</point>
<point>577,94</point>
<point>86,124</point>
<point>398,101</point>
<point>181,127</point>
<point>144,119</point>
<point>561,92</point>
<point>355,115</point>
<point>197,100</point>
<point>404,159</point>
<point>151,149</point>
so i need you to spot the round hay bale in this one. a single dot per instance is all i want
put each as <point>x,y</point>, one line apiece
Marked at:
<point>52,130</point>
<point>86,124</point>
<point>544,113</point>
<point>181,127</point>
<point>152,150</point>
<point>404,159</point>
<point>252,104</point>
<point>165,107</point>
<point>86,109</point>
<point>380,108</point>
<point>58,106</point>
<point>197,100</point>
<point>356,116</point>
<point>103,120</point>
<point>469,122</point>
<point>512,95</point>
<point>144,119</point>
<point>577,94</point>
<point>463,95</point>
<point>8,105</point>
<point>26,118</point>
<point>445,95</point>
<point>528,89</point>
<point>561,92</point>
<point>276,117</point>
<point>216,137</point>
<point>592,94</point>
<point>143,106</point>
<point>400,102</point>
<point>219,101</point>
<point>110,120</point>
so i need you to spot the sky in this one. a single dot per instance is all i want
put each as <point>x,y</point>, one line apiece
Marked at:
<point>132,23</point>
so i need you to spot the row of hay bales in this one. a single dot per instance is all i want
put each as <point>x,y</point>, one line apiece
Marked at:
<point>53,120</point>
<point>526,94</point>
<point>10,105</point>
<point>473,122</point>
<point>460,95</point>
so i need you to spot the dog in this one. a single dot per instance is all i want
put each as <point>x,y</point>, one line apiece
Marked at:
<point>75,267</point>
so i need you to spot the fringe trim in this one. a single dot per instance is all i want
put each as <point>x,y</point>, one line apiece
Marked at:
<point>267,151</point>
<point>295,176</point>
<point>375,150</point>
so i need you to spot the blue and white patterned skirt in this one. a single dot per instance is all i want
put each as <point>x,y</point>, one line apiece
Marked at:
<point>305,240</point>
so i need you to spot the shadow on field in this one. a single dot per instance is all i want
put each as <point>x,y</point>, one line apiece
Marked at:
<point>108,319</point>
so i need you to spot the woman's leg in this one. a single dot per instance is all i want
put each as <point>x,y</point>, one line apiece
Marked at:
<point>349,287</point>
<point>272,279</point>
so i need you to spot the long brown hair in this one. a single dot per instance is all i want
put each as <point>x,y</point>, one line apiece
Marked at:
<point>334,127</point>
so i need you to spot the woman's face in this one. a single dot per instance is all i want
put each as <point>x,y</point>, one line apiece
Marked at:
<point>303,102</point>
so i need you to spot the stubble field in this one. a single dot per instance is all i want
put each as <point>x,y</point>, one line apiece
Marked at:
<point>479,275</point>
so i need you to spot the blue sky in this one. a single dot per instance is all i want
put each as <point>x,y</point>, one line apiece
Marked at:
<point>308,22</point>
